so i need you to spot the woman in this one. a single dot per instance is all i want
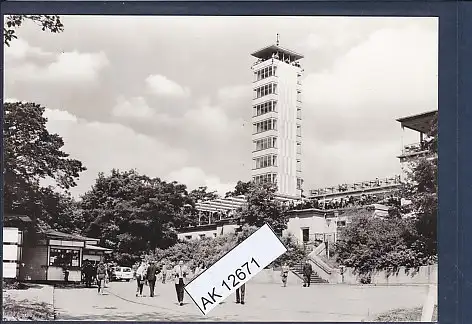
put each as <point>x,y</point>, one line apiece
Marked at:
<point>140,278</point>
<point>101,274</point>
<point>199,269</point>
<point>284,274</point>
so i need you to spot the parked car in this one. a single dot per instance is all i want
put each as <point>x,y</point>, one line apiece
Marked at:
<point>122,273</point>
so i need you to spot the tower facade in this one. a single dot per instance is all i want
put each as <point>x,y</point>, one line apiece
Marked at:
<point>276,120</point>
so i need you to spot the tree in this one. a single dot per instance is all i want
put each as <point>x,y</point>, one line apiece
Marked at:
<point>202,194</point>
<point>133,213</point>
<point>32,154</point>
<point>241,188</point>
<point>373,244</point>
<point>262,208</point>
<point>50,23</point>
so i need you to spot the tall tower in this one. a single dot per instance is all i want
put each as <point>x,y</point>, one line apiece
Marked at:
<point>276,120</point>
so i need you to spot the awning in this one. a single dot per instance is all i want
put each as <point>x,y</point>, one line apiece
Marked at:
<point>97,248</point>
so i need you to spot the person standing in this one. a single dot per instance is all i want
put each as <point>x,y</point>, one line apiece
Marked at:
<point>240,292</point>
<point>180,276</point>
<point>307,272</point>
<point>151,277</point>
<point>284,273</point>
<point>101,273</point>
<point>140,278</point>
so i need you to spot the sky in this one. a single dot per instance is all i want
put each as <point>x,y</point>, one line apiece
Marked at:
<point>171,96</point>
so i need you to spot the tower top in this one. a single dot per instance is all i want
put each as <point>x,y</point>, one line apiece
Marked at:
<point>278,40</point>
<point>267,52</point>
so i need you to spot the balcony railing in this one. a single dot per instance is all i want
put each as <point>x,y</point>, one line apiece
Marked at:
<point>414,148</point>
<point>344,188</point>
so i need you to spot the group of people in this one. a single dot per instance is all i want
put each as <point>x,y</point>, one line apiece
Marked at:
<point>99,274</point>
<point>307,270</point>
<point>147,273</point>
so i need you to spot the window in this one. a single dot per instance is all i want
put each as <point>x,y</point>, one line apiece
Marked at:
<point>265,90</point>
<point>202,236</point>
<point>299,113</point>
<point>305,234</point>
<point>265,125</point>
<point>266,72</point>
<point>264,178</point>
<point>299,183</point>
<point>299,166</point>
<point>299,148</point>
<point>299,130</point>
<point>265,143</point>
<point>214,234</point>
<point>188,237</point>
<point>341,223</point>
<point>64,257</point>
<point>299,96</point>
<point>264,108</point>
<point>265,161</point>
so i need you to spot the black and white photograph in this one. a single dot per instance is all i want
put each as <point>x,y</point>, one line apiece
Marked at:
<point>139,151</point>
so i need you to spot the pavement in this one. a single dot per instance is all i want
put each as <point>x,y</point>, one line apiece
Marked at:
<point>264,302</point>
<point>34,296</point>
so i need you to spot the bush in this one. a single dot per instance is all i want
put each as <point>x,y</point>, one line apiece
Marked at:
<point>210,250</point>
<point>373,244</point>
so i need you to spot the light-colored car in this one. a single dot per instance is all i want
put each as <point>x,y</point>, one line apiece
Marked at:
<point>122,273</point>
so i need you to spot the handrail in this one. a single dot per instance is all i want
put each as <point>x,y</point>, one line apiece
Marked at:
<point>320,263</point>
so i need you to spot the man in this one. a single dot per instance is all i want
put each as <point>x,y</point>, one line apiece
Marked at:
<point>180,276</point>
<point>240,292</point>
<point>151,277</point>
<point>307,272</point>
<point>101,273</point>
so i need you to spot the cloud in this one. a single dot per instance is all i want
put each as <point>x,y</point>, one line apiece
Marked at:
<point>56,115</point>
<point>104,145</point>
<point>68,67</point>
<point>11,100</point>
<point>162,86</point>
<point>135,108</point>
<point>20,50</point>
<point>195,177</point>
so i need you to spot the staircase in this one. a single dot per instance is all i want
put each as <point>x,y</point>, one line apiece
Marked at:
<point>315,278</point>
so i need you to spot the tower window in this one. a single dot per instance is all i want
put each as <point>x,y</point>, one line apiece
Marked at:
<point>265,107</point>
<point>265,161</point>
<point>265,125</point>
<point>265,90</point>
<point>264,178</point>
<point>266,72</point>
<point>265,143</point>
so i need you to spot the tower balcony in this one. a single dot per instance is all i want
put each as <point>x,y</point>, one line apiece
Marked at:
<point>413,151</point>
<point>272,96</point>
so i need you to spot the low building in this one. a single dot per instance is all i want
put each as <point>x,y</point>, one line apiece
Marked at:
<point>215,229</point>
<point>308,226</point>
<point>42,256</point>
<point>14,227</point>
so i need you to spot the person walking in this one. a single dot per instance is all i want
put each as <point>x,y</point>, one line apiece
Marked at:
<point>140,278</point>
<point>151,276</point>
<point>307,272</point>
<point>101,273</point>
<point>180,276</point>
<point>164,272</point>
<point>284,273</point>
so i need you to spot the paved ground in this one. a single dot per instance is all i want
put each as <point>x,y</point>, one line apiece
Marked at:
<point>264,302</point>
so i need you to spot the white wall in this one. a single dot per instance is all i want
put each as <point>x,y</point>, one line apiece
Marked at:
<point>315,224</point>
<point>11,252</point>
<point>287,129</point>
<point>194,235</point>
